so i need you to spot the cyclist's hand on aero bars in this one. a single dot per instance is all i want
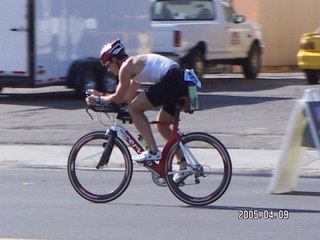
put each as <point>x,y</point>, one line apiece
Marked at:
<point>93,92</point>
<point>92,96</point>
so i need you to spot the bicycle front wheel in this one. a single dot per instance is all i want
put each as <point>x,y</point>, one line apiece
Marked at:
<point>107,182</point>
<point>211,172</point>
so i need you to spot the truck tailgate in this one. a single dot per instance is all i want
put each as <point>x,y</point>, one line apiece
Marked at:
<point>163,41</point>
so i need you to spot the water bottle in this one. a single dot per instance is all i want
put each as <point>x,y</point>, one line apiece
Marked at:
<point>142,142</point>
<point>193,97</point>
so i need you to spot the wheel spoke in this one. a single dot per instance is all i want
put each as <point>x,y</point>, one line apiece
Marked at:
<point>211,177</point>
<point>103,184</point>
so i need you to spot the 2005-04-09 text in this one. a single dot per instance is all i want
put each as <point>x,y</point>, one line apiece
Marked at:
<point>252,214</point>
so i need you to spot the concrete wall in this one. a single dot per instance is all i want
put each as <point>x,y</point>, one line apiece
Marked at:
<point>283,21</point>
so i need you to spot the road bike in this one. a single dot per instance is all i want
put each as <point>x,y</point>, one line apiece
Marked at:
<point>100,166</point>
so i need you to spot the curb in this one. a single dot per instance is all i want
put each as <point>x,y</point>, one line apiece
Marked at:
<point>243,160</point>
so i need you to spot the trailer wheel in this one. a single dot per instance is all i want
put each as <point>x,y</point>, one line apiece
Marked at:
<point>89,73</point>
<point>87,80</point>
<point>82,76</point>
<point>106,81</point>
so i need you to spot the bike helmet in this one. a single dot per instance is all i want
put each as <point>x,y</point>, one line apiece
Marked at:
<point>115,48</point>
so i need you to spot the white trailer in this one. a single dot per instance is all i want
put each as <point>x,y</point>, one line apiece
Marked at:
<point>58,42</point>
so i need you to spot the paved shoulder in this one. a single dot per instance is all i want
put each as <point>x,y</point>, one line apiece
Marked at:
<point>251,160</point>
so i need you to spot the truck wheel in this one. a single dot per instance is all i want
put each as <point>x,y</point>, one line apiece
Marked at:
<point>251,65</point>
<point>313,76</point>
<point>194,60</point>
<point>198,63</point>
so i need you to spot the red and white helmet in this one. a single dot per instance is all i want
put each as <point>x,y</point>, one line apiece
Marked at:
<point>115,48</point>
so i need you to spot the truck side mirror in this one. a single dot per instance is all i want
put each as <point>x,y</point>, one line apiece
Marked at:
<point>240,19</point>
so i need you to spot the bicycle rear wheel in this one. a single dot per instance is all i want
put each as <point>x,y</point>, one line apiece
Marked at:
<point>211,178</point>
<point>106,183</point>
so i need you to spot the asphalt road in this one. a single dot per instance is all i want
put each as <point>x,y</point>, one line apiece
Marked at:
<point>41,204</point>
<point>244,114</point>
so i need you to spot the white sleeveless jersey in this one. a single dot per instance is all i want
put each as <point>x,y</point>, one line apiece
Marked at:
<point>156,67</point>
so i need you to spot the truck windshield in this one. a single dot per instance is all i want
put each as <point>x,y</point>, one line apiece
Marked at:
<point>181,10</point>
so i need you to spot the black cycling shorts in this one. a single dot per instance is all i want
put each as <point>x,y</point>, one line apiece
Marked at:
<point>169,91</point>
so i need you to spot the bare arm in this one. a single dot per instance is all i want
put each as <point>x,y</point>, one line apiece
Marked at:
<point>126,89</point>
<point>132,91</point>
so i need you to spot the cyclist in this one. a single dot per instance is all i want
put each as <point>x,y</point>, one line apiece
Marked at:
<point>168,89</point>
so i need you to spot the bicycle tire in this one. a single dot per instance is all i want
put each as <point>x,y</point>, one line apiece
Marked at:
<point>99,185</point>
<point>217,169</point>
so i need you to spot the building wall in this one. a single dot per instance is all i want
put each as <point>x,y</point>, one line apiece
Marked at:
<point>283,22</point>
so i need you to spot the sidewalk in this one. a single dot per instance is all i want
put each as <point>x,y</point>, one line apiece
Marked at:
<point>243,160</point>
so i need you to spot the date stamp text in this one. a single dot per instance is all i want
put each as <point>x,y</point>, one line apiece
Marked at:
<point>258,214</point>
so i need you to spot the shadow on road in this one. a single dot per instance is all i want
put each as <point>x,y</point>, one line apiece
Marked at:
<point>218,101</point>
<point>260,209</point>
<point>59,100</point>
<point>66,99</point>
<point>227,84</point>
<point>216,207</point>
<point>221,84</point>
<point>303,193</point>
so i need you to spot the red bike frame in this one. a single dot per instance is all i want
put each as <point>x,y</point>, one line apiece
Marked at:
<point>158,168</point>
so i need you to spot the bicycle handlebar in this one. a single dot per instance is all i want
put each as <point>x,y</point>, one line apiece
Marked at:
<point>120,109</point>
<point>109,108</point>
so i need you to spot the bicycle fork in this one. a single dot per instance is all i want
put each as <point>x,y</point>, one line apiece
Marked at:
<point>108,146</point>
<point>192,162</point>
<point>190,158</point>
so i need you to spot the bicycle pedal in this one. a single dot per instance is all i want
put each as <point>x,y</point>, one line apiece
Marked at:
<point>149,163</point>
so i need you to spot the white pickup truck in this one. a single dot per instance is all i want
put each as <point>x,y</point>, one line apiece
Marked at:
<point>200,34</point>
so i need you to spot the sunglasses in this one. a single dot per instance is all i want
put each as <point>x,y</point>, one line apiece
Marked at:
<point>107,63</point>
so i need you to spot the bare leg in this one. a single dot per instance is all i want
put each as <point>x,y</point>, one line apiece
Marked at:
<point>164,129</point>
<point>166,132</point>
<point>136,109</point>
